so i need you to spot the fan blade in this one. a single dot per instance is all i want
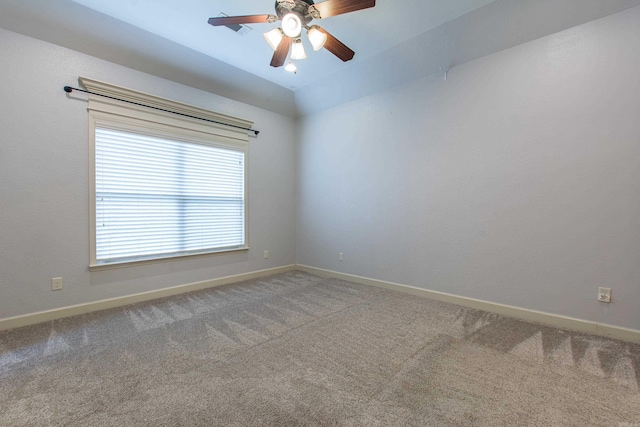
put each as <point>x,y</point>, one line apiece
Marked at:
<point>281,53</point>
<point>336,47</point>
<point>338,7</point>
<point>236,20</point>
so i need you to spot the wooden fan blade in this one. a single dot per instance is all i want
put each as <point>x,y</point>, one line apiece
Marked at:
<point>281,53</point>
<point>236,20</point>
<point>338,7</point>
<point>336,47</point>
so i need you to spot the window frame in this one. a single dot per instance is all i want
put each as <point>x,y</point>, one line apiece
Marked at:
<point>121,116</point>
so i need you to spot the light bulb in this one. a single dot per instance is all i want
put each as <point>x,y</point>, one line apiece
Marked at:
<point>297,51</point>
<point>274,37</point>
<point>291,25</point>
<point>317,37</point>
<point>291,67</point>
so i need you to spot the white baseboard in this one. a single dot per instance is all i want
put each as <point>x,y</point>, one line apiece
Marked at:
<point>555,320</point>
<point>45,316</point>
<point>616,332</point>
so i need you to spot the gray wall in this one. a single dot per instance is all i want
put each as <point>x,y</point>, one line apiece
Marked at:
<point>514,181</point>
<point>44,210</point>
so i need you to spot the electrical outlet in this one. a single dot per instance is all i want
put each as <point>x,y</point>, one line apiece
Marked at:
<point>604,294</point>
<point>266,254</point>
<point>340,256</point>
<point>56,283</point>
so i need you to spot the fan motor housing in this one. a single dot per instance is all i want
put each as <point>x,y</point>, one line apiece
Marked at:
<point>299,7</point>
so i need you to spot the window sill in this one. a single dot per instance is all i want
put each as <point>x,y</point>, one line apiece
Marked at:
<point>125,264</point>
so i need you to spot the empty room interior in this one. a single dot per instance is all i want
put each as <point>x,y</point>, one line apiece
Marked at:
<point>340,212</point>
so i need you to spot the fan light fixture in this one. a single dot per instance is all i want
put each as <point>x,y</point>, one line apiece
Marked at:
<point>297,50</point>
<point>291,25</point>
<point>274,37</point>
<point>316,37</point>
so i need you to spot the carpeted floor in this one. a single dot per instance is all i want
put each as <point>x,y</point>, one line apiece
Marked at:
<point>296,349</point>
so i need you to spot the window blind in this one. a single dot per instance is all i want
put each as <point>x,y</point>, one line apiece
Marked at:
<point>158,197</point>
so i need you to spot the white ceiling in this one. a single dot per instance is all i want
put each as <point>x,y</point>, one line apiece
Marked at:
<point>368,32</point>
<point>396,42</point>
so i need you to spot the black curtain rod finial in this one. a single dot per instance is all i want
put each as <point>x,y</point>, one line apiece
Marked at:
<point>70,89</point>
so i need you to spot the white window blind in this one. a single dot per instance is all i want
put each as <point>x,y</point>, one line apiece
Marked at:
<point>159,197</point>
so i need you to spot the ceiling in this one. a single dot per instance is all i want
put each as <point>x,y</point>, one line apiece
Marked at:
<point>368,32</point>
<point>395,42</point>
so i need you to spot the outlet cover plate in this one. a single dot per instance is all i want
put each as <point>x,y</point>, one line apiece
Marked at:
<point>604,294</point>
<point>56,283</point>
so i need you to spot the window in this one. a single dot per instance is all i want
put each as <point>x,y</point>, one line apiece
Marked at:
<point>159,197</point>
<point>163,186</point>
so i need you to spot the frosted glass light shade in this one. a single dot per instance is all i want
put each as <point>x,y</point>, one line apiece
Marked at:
<point>291,25</point>
<point>317,37</point>
<point>297,51</point>
<point>291,67</point>
<point>273,37</point>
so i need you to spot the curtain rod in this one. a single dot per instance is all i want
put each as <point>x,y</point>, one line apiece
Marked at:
<point>70,89</point>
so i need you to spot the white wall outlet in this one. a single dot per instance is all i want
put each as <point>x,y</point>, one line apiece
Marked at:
<point>56,283</point>
<point>266,254</point>
<point>604,294</point>
<point>340,256</point>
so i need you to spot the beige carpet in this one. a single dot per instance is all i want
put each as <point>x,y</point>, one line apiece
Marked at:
<point>296,349</point>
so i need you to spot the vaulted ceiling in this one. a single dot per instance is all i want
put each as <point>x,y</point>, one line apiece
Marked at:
<point>395,42</point>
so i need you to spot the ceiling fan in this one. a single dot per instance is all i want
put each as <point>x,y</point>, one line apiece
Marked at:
<point>296,15</point>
